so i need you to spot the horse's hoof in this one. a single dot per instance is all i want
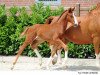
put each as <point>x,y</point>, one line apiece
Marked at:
<point>54,61</point>
<point>14,63</point>
<point>40,64</point>
<point>3,61</point>
<point>97,63</point>
<point>12,67</point>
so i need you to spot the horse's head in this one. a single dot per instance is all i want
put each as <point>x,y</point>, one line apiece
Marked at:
<point>71,17</point>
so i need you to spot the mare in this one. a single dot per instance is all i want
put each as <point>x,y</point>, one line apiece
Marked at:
<point>44,32</point>
<point>87,32</point>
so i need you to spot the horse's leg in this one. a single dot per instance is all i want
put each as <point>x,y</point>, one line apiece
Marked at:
<point>61,43</point>
<point>3,59</point>
<point>96,42</point>
<point>34,47</point>
<point>66,57</point>
<point>65,41</point>
<point>21,48</point>
<point>59,61</point>
<point>51,58</point>
<point>27,41</point>
<point>39,56</point>
<point>54,61</point>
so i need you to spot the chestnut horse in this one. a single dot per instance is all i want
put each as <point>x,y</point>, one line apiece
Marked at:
<point>87,32</point>
<point>44,32</point>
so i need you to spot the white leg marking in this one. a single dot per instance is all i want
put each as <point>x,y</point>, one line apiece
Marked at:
<point>54,60</point>
<point>98,60</point>
<point>49,62</point>
<point>66,57</point>
<point>75,20</point>
<point>39,56</point>
<point>51,47</point>
<point>59,57</point>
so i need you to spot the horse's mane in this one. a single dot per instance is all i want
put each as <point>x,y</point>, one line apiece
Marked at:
<point>96,8</point>
<point>62,14</point>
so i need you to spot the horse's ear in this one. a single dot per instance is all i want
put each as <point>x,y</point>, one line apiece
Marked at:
<point>73,8</point>
<point>69,10</point>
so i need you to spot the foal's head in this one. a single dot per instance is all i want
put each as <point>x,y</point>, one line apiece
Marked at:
<point>71,17</point>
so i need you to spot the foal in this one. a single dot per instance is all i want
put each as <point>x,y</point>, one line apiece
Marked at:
<point>44,32</point>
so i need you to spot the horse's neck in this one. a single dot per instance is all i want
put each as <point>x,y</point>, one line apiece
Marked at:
<point>62,21</point>
<point>62,18</point>
<point>63,24</point>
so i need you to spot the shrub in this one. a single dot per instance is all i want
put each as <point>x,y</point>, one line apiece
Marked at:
<point>80,51</point>
<point>13,24</point>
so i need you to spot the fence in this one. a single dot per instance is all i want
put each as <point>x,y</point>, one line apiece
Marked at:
<point>78,9</point>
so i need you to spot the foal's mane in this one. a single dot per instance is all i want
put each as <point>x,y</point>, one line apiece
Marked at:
<point>61,15</point>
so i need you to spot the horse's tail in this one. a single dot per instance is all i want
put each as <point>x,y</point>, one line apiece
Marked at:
<point>32,29</point>
<point>24,32</point>
<point>49,20</point>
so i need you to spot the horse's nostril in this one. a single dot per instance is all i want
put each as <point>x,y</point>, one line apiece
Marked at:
<point>75,25</point>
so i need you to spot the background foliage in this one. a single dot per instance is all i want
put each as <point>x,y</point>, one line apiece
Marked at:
<point>14,21</point>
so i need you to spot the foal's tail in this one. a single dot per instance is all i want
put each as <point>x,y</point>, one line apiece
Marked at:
<point>30,29</point>
<point>24,32</point>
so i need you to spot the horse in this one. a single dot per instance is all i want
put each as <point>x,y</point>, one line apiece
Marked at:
<point>39,33</point>
<point>87,32</point>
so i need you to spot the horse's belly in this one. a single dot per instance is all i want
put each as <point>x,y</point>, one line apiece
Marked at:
<point>79,39</point>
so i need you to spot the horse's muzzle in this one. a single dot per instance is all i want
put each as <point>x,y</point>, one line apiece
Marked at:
<point>75,25</point>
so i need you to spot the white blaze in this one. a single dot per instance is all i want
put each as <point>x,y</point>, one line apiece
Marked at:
<point>75,20</point>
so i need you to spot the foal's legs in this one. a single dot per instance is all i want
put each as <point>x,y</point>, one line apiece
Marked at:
<point>60,42</point>
<point>27,41</point>
<point>66,56</point>
<point>96,42</point>
<point>59,61</point>
<point>2,59</point>
<point>53,52</point>
<point>54,61</point>
<point>34,47</point>
<point>21,48</point>
<point>58,45</point>
<point>65,41</point>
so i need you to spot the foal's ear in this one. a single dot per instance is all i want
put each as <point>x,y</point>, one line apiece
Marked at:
<point>69,10</point>
<point>73,8</point>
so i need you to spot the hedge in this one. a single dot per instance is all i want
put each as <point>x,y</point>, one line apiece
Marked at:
<point>14,21</point>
